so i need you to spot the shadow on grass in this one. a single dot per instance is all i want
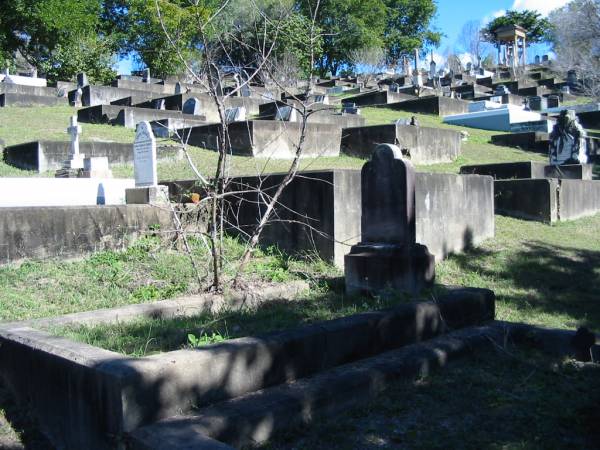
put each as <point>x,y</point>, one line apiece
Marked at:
<point>556,279</point>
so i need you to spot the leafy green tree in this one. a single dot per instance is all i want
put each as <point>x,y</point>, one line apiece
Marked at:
<point>35,27</point>
<point>408,27</point>
<point>538,28</point>
<point>161,36</point>
<point>86,53</point>
<point>346,25</point>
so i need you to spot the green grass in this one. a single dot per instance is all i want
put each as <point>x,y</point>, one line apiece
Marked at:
<point>538,277</point>
<point>18,125</point>
<point>496,401</point>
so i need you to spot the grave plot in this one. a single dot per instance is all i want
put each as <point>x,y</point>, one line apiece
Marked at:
<point>422,145</point>
<point>270,138</point>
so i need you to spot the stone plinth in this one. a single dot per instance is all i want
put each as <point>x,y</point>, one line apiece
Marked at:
<point>152,195</point>
<point>372,268</point>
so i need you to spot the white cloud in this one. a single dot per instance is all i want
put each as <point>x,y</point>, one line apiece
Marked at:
<point>542,6</point>
<point>487,19</point>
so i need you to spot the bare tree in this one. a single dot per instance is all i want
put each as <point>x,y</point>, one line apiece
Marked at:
<point>471,40</point>
<point>576,39</point>
<point>368,62</point>
<point>226,50</point>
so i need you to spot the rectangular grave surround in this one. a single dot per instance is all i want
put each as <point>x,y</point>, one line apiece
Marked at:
<point>87,397</point>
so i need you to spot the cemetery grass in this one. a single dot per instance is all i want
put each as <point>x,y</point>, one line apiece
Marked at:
<point>538,276</point>
<point>19,125</point>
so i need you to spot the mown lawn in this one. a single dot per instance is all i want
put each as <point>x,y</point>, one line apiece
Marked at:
<point>18,125</point>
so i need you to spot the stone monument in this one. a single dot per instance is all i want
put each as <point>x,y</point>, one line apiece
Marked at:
<point>192,106</point>
<point>567,141</point>
<point>146,188</point>
<point>388,256</point>
<point>74,164</point>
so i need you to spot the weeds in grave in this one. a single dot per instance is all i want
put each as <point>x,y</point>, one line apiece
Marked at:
<point>205,339</point>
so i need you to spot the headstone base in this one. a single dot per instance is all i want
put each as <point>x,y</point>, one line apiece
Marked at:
<point>375,268</point>
<point>67,173</point>
<point>153,195</point>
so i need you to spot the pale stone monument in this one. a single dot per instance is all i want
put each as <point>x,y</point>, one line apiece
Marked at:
<point>567,141</point>
<point>72,166</point>
<point>147,77</point>
<point>78,97</point>
<point>146,188</point>
<point>388,257</point>
<point>96,167</point>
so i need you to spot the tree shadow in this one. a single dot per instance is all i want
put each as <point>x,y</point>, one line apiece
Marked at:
<point>556,279</point>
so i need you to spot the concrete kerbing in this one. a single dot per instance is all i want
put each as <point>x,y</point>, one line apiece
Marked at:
<point>170,309</point>
<point>86,397</point>
<point>256,417</point>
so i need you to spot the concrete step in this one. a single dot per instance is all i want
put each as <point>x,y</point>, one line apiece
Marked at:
<point>256,417</point>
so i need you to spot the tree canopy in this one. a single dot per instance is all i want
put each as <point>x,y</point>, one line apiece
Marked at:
<point>537,27</point>
<point>47,32</point>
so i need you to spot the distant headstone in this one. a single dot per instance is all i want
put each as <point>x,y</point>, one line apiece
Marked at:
<point>553,101</point>
<point>536,59</point>
<point>416,52</point>
<point>565,89</point>
<point>324,99</point>
<point>350,108</point>
<point>394,87</point>
<point>432,69</point>
<point>245,90</point>
<point>286,114</point>
<point>567,141</point>
<point>147,77</point>
<point>237,114</point>
<point>178,89</point>
<point>535,103</point>
<point>74,164</point>
<point>192,106</point>
<point>469,67</point>
<point>82,80</point>
<point>96,167</point>
<point>501,90</point>
<point>417,79</point>
<point>77,98</point>
<point>572,79</point>
<point>159,103</point>
<point>388,256</point>
<point>144,156</point>
<point>545,58</point>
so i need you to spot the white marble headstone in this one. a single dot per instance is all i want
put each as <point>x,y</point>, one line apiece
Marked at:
<point>144,156</point>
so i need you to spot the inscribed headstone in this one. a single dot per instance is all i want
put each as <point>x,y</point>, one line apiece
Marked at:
<point>567,141</point>
<point>144,156</point>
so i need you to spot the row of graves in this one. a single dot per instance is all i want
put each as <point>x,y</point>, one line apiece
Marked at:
<point>386,226</point>
<point>244,391</point>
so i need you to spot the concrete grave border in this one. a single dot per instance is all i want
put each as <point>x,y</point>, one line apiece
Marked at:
<point>118,394</point>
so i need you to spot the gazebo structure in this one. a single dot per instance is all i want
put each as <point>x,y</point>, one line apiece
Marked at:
<point>514,40</point>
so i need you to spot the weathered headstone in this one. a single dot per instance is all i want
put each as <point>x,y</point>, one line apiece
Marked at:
<point>82,80</point>
<point>553,101</point>
<point>144,156</point>
<point>286,114</point>
<point>535,103</point>
<point>96,167</point>
<point>501,90</point>
<point>545,58</point>
<point>417,79</point>
<point>565,89</point>
<point>432,69</point>
<point>178,89</point>
<point>572,79</point>
<point>146,188</point>
<point>159,103</point>
<point>192,106</point>
<point>78,97</point>
<point>237,114</point>
<point>388,256</point>
<point>536,59</point>
<point>147,77</point>
<point>567,141</point>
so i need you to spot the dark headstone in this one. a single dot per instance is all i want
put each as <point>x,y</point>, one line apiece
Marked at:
<point>553,101</point>
<point>82,80</point>
<point>388,256</point>
<point>192,106</point>
<point>567,141</point>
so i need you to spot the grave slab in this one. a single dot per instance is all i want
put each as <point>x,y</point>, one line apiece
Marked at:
<point>440,106</point>
<point>25,100</point>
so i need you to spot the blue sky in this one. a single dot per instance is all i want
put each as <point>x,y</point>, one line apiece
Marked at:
<point>452,15</point>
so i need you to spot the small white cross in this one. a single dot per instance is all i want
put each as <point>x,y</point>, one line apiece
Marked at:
<point>74,130</point>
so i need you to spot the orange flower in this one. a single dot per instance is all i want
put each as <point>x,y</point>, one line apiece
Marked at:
<point>195,197</point>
